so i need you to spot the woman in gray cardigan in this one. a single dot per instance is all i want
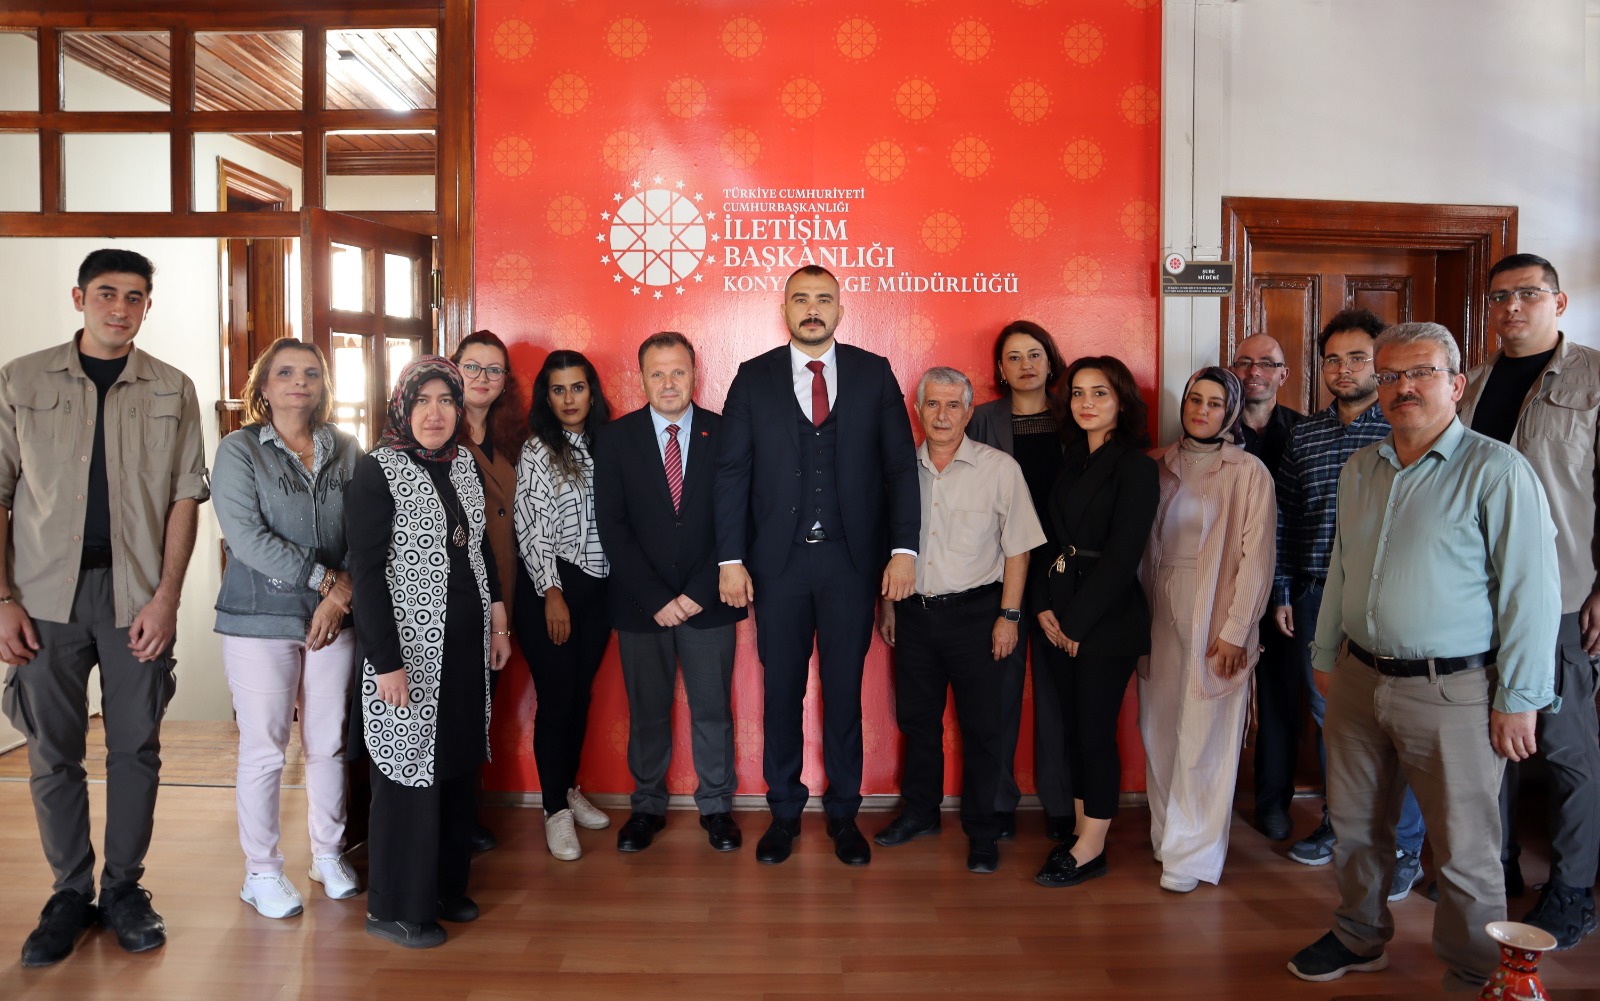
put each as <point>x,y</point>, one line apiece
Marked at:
<point>1024,423</point>
<point>278,487</point>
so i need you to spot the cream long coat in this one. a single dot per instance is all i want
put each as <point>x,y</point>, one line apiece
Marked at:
<point>1238,551</point>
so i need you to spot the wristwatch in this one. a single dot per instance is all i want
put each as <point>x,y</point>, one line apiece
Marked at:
<point>1011,614</point>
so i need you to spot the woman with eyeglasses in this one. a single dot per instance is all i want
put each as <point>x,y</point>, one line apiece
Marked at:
<point>563,622</point>
<point>494,435</point>
<point>1208,572</point>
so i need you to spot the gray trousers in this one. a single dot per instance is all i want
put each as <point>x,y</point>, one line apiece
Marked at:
<point>649,671</point>
<point>1382,733</point>
<point>48,700</point>
<point>1569,742</point>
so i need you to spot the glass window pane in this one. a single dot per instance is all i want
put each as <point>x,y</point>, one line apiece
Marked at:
<point>392,170</point>
<point>350,385</point>
<point>118,172</point>
<point>400,351</point>
<point>351,285</point>
<point>116,71</point>
<point>19,165</point>
<point>393,68</point>
<point>19,71</point>
<point>247,71</point>
<point>399,285</point>
<point>263,170</point>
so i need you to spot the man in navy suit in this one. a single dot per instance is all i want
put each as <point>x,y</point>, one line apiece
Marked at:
<point>817,516</point>
<point>653,489</point>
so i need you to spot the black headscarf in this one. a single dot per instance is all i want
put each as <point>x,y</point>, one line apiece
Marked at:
<point>1233,415</point>
<point>397,433</point>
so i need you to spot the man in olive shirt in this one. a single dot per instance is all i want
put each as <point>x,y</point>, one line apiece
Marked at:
<point>978,526</point>
<point>99,526</point>
<point>1438,625</point>
<point>1541,394</point>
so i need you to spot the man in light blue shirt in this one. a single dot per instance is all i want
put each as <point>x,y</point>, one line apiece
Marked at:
<point>1435,647</point>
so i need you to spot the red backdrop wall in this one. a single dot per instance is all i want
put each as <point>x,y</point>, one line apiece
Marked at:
<point>665,166</point>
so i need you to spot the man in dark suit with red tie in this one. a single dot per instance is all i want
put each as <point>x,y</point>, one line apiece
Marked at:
<point>817,517</point>
<point>654,473</point>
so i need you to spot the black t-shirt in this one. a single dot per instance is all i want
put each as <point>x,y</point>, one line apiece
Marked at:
<point>97,503</point>
<point>1501,403</point>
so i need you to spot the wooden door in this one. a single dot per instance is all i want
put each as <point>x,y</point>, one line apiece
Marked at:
<point>369,307</point>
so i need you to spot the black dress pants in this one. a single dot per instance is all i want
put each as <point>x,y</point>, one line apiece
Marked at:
<point>1090,690</point>
<point>419,849</point>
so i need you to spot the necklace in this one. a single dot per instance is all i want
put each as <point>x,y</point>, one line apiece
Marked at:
<point>458,537</point>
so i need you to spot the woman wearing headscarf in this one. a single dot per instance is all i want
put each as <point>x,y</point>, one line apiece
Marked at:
<point>1208,572</point>
<point>431,626</point>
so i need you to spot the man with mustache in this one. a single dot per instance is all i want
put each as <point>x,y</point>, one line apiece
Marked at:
<point>1308,479</point>
<point>1443,547</point>
<point>816,501</point>
<point>1541,394</point>
<point>978,526</point>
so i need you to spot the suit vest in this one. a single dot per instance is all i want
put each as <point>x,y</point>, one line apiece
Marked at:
<point>819,480</point>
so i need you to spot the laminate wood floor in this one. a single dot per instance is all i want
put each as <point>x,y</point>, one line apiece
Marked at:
<point>681,921</point>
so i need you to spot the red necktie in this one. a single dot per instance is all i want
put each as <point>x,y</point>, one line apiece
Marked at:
<point>674,465</point>
<point>819,393</point>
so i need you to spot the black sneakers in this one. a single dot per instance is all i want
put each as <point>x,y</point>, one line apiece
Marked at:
<point>66,916</point>
<point>1328,959</point>
<point>1565,912</point>
<point>126,911</point>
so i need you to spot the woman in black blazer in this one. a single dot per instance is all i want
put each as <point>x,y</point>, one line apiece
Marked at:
<point>1094,612</point>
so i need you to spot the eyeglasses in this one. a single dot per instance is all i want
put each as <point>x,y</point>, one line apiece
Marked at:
<point>1246,364</point>
<point>1356,363</point>
<point>494,373</point>
<point>1528,293</point>
<point>1422,373</point>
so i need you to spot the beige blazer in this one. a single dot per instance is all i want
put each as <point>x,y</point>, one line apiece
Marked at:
<point>1238,550</point>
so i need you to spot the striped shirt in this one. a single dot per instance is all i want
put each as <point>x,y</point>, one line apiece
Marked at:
<point>1308,487</point>
<point>554,516</point>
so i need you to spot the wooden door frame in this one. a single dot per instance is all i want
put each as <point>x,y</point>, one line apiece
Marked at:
<point>1484,233</point>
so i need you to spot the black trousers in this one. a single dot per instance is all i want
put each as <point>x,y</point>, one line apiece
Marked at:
<point>419,847</point>
<point>820,601</point>
<point>562,675</point>
<point>1280,690</point>
<point>939,651</point>
<point>1090,690</point>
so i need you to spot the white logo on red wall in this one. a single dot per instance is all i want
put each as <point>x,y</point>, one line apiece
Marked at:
<point>656,237</point>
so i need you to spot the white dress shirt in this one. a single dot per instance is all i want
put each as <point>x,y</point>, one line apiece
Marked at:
<point>803,376</point>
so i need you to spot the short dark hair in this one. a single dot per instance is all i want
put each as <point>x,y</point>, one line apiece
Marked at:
<point>1364,320</point>
<point>812,270</point>
<point>1516,262</point>
<point>1052,354</point>
<point>1133,415</point>
<point>665,339</point>
<point>110,260</point>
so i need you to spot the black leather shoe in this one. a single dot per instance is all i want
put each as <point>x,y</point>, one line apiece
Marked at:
<point>778,842</point>
<point>1512,868</point>
<point>722,831</point>
<point>1060,869</point>
<point>983,855</point>
<point>483,840</point>
<point>126,911</point>
<point>639,831</point>
<point>1059,828</point>
<point>904,828</point>
<point>66,915</point>
<point>848,843</point>
<point>458,910</point>
<point>1274,824</point>
<point>1007,819</point>
<point>407,933</point>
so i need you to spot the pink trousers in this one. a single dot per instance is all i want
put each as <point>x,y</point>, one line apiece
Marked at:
<point>269,680</point>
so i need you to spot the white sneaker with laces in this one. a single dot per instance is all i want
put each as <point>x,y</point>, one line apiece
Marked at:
<point>271,894</point>
<point>588,816</point>
<point>560,836</point>
<point>338,882</point>
<point>1178,884</point>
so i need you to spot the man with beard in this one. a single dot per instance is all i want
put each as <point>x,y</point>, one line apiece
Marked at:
<point>1541,394</point>
<point>816,491</point>
<point>1308,480</point>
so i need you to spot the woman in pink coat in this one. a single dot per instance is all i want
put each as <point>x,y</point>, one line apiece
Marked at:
<point>1208,571</point>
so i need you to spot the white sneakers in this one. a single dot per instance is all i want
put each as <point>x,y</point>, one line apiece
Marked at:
<point>271,894</point>
<point>338,882</point>
<point>1178,884</point>
<point>588,816</point>
<point>561,837</point>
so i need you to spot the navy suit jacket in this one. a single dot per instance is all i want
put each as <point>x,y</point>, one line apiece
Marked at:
<point>657,554</point>
<point>758,502</point>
